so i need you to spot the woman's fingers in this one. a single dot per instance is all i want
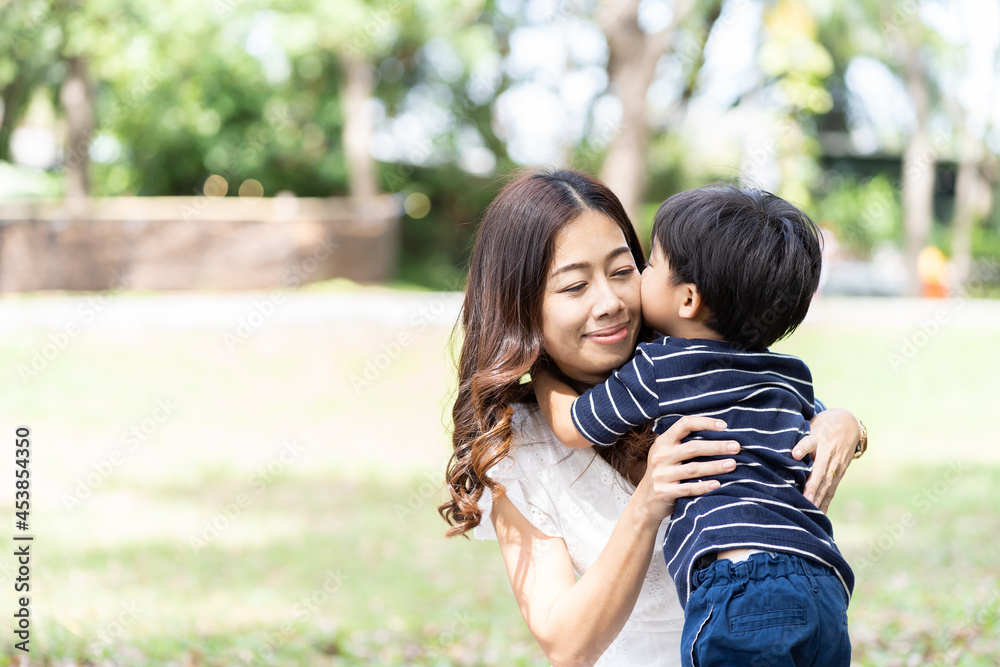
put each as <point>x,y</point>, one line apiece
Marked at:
<point>832,444</point>
<point>668,454</point>
<point>695,488</point>
<point>678,472</point>
<point>668,447</point>
<point>824,479</point>
<point>806,445</point>
<point>695,470</point>
<point>667,469</point>
<point>818,483</point>
<point>685,426</point>
<point>829,491</point>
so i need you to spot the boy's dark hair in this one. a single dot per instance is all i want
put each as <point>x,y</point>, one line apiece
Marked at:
<point>754,257</point>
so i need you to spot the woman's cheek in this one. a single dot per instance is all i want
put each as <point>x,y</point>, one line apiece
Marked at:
<point>633,301</point>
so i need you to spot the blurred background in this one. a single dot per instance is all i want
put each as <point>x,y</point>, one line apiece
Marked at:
<point>233,239</point>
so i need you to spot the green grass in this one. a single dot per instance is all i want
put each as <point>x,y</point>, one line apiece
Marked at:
<point>923,545</point>
<point>401,594</point>
<point>116,578</point>
<point>316,570</point>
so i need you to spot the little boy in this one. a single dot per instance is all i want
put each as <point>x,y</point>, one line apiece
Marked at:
<point>731,272</point>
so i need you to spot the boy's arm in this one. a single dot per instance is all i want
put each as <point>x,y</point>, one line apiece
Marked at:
<point>628,398</point>
<point>555,399</point>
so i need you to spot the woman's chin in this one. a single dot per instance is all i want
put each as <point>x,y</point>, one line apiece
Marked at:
<point>607,357</point>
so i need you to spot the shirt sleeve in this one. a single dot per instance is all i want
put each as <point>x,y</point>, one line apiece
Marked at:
<point>818,406</point>
<point>628,398</point>
<point>535,506</point>
<point>534,450</point>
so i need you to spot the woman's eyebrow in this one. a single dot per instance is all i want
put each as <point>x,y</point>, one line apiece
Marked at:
<point>570,267</point>
<point>586,265</point>
<point>618,251</point>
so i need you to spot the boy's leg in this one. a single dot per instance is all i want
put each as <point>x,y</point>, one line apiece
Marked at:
<point>769,611</point>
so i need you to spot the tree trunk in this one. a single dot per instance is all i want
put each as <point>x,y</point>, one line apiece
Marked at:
<point>632,59</point>
<point>919,164</point>
<point>972,195</point>
<point>77,103</point>
<point>359,87</point>
<point>15,100</point>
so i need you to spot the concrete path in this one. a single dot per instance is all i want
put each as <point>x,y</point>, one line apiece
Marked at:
<point>389,308</point>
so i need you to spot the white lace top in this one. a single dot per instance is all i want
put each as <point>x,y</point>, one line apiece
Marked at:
<point>574,494</point>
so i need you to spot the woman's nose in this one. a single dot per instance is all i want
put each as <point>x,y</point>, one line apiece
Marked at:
<point>607,301</point>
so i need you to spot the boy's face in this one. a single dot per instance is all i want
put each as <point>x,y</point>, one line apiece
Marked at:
<point>661,299</point>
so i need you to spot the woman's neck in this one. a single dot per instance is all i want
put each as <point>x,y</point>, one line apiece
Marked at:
<point>578,385</point>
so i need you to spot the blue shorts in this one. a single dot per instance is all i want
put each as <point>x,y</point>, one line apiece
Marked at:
<point>768,611</point>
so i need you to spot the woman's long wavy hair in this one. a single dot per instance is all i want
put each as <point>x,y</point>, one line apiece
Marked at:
<point>501,324</point>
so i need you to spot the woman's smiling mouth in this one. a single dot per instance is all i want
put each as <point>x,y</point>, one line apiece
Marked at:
<point>610,335</point>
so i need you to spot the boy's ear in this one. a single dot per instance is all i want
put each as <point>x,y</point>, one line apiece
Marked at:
<point>692,307</point>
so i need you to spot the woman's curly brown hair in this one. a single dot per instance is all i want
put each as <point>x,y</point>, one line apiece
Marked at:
<point>501,328</point>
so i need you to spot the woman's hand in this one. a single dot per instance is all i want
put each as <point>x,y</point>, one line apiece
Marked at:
<point>576,620</point>
<point>832,441</point>
<point>663,483</point>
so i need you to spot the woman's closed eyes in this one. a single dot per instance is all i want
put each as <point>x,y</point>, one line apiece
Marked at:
<point>579,287</point>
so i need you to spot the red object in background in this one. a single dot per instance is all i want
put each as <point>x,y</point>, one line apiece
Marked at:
<point>932,267</point>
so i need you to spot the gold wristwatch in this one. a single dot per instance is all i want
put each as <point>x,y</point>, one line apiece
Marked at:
<point>862,441</point>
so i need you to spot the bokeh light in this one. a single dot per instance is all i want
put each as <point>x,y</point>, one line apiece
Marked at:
<point>215,186</point>
<point>251,188</point>
<point>417,205</point>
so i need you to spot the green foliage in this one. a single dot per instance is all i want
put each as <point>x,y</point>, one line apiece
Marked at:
<point>437,247</point>
<point>232,88</point>
<point>861,213</point>
<point>30,36</point>
<point>247,89</point>
<point>182,114</point>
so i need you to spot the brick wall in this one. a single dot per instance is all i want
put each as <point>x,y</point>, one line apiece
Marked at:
<point>184,243</point>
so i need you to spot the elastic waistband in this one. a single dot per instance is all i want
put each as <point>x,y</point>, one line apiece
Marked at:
<point>758,566</point>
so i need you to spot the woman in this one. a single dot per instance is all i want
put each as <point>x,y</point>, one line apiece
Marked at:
<point>554,282</point>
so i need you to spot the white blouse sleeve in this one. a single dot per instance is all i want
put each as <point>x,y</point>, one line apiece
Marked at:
<point>519,473</point>
<point>575,495</point>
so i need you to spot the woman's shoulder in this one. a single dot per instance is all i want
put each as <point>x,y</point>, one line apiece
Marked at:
<point>568,476</point>
<point>529,425</point>
<point>534,446</point>
<point>543,477</point>
<point>534,459</point>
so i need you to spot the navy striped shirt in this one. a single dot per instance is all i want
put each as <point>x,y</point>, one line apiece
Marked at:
<point>767,400</point>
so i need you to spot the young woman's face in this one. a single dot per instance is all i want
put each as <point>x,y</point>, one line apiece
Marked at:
<point>590,310</point>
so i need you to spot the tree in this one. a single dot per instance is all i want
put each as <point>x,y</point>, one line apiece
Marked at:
<point>632,59</point>
<point>894,34</point>
<point>76,97</point>
<point>29,39</point>
<point>919,158</point>
<point>358,129</point>
<point>973,201</point>
<point>968,74</point>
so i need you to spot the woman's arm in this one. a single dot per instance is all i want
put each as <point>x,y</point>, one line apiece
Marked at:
<point>555,400</point>
<point>575,621</point>
<point>835,434</point>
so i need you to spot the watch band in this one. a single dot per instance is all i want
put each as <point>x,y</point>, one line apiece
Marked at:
<point>862,446</point>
